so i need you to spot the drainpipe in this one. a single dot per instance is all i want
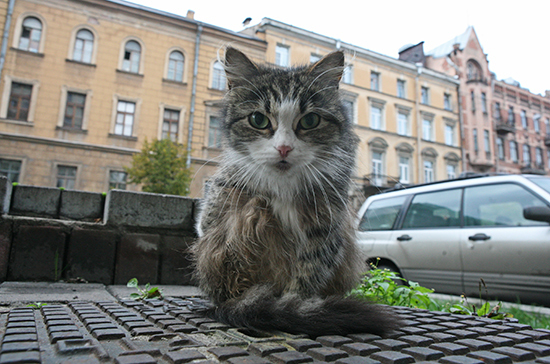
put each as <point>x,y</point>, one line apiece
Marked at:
<point>193,95</point>
<point>418,123</point>
<point>5,35</point>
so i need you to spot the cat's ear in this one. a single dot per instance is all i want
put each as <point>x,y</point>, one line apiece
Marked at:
<point>238,67</point>
<point>329,68</point>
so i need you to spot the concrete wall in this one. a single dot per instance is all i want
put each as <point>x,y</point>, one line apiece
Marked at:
<point>48,234</point>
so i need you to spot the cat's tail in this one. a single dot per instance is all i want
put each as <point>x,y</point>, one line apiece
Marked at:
<point>259,309</point>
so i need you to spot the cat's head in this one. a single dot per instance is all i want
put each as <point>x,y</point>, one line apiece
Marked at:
<point>286,126</point>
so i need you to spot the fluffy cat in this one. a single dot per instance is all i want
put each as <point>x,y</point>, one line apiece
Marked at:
<point>276,247</point>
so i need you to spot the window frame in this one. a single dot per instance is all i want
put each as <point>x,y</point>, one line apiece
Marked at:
<point>110,172</point>
<point>168,62</point>
<point>19,29</point>
<point>279,61</point>
<point>375,81</point>
<point>380,105</point>
<point>180,122</point>
<point>135,124</point>
<point>72,45</point>
<point>65,90</point>
<point>56,176</point>
<point>20,173</point>
<point>217,75</point>
<point>140,63</point>
<point>401,88</point>
<point>6,96</point>
<point>218,133</point>
<point>424,95</point>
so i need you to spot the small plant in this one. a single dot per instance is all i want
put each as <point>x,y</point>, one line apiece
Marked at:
<point>37,305</point>
<point>147,292</point>
<point>15,184</point>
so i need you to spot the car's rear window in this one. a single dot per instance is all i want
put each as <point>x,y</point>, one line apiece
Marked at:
<point>542,182</point>
<point>381,214</point>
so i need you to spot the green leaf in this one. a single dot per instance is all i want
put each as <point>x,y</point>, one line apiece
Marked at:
<point>132,283</point>
<point>135,296</point>
<point>154,292</point>
<point>484,310</point>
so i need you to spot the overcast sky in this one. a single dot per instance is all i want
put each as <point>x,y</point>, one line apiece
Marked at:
<point>514,34</point>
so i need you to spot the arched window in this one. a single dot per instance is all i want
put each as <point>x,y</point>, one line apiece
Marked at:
<point>132,55</point>
<point>218,76</point>
<point>473,70</point>
<point>31,33</point>
<point>175,66</point>
<point>83,46</point>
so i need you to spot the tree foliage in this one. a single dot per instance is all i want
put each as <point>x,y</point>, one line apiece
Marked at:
<point>161,168</point>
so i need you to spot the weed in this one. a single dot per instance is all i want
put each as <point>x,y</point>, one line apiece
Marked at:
<point>37,305</point>
<point>147,292</point>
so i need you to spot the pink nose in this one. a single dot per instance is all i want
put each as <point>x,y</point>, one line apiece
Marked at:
<point>284,150</point>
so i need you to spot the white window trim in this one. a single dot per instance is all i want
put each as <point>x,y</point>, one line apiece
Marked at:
<point>288,63</point>
<point>211,76</point>
<point>141,69</point>
<point>58,163</point>
<point>63,103</point>
<point>23,161</point>
<point>182,110</point>
<point>380,104</point>
<point>353,100</point>
<point>18,28</point>
<point>8,80</point>
<point>404,88</point>
<point>108,171</point>
<point>167,62</point>
<point>116,99</point>
<point>70,52</point>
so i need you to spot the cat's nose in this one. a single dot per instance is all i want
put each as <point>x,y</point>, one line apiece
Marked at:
<point>284,150</point>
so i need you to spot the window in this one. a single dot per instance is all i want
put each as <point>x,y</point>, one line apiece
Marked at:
<point>486,142</point>
<point>536,123</point>
<point>66,177</point>
<point>282,56</point>
<point>83,46</point>
<point>484,102</point>
<point>473,98</point>
<point>132,55</point>
<point>402,123</point>
<point>31,32</point>
<point>498,205</point>
<point>124,122</point>
<point>473,71</point>
<point>538,158</point>
<point>451,171</point>
<point>513,151</point>
<point>381,214</point>
<point>434,209</point>
<point>404,170</point>
<point>500,148</point>
<point>117,180</point>
<point>74,110</point>
<point>20,101</point>
<point>476,144</point>
<point>375,81</point>
<point>428,171</point>
<point>498,115</point>
<point>511,115</point>
<point>347,77</point>
<point>526,154</point>
<point>11,169</point>
<point>175,66</point>
<point>447,104</point>
<point>218,76</point>
<point>170,125</point>
<point>425,95</point>
<point>349,105</point>
<point>401,89</point>
<point>215,133</point>
<point>449,134</point>
<point>427,129</point>
<point>523,117</point>
<point>376,118</point>
<point>377,169</point>
<point>314,58</point>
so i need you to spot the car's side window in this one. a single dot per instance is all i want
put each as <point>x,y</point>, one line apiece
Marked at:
<point>499,205</point>
<point>381,214</point>
<point>434,210</point>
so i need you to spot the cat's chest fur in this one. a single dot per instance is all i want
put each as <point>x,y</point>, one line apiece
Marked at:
<point>289,217</point>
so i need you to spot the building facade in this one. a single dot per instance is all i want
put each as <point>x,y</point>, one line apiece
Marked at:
<point>86,82</point>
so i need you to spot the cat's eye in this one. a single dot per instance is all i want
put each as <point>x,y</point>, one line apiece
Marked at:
<point>259,120</point>
<point>309,121</point>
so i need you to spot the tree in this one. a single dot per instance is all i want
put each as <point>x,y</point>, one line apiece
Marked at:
<point>161,168</point>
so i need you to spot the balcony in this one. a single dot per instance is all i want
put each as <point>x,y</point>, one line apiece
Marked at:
<point>533,169</point>
<point>547,140</point>
<point>505,127</point>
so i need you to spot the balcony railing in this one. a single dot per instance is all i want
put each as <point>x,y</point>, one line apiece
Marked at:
<point>533,168</point>
<point>504,127</point>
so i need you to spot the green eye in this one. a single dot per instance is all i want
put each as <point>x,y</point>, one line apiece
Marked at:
<point>259,120</point>
<point>309,121</point>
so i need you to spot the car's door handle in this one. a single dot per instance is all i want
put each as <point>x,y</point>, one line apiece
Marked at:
<point>479,236</point>
<point>404,237</point>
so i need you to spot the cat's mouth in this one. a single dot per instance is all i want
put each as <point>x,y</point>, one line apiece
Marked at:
<point>282,165</point>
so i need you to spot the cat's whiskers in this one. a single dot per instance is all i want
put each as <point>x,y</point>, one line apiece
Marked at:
<point>338,69</point>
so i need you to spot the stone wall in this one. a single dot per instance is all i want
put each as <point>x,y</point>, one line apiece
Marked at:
<point>49,234</point>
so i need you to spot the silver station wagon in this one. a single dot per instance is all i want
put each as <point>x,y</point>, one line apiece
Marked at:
<point>448,235</point>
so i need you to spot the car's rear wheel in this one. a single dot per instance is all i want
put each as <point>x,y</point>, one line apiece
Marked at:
<point>392,268</point>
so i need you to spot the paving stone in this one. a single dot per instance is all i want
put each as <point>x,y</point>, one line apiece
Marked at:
<point>333,341</point>
<point>543,342</point>
<point>475,345</point>
<point>450,348</point>
<point>515,354</point>
<point>519,326</point>
<point>265,349</point>
<point>303,345</point>
<point>501,328</point>
<point>390,344</point>
<point>20,330</point>
<point>135,359</point>
<point>137,324</point>
<point>290,357</point>
<point>543,360</point>
<point>248,360</point>
<point>68,347</point>
<point>417,340</point>
<point>169,322</point>
<point>20,346</point>
<point>433,328</point>
<point>357,360</point>
<point>96,327</point>
<point>57,336</point>
<point>184,356</point>
<point>360,349</point>
<point>327,354</point>
<point>539,350</point>
<point>489,357</point>
<point>21,324</point>
<point>20,338</point>
<point>412,330</point>
<point>228,352</point>
<point>453,325</point>
<point>427,320</point>
<point>147,331</point>
<point>20,358</point>
<point>459,360</point>
<point>364,338</point>
<point>108,334</point>
<point>535,334</point>
<point>185,328</point>
<point>392,357</point>
<point>420,353</point>
<point>440,336</point>
<point>518,339</point>
<point>62,328</point>
<point>463,334</point>
<point>483,331</point>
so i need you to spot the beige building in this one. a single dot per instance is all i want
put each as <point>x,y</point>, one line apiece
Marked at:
<point>85,82</point>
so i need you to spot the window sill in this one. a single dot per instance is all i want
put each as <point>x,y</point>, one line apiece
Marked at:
<point>124,137</point>
<point>71,130</point>
<point>172,82</point>
<point>217,90</point>
<point>30,53</point>
<point>80,63</point>
<point>129,73</point>
<point>17,122</point>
